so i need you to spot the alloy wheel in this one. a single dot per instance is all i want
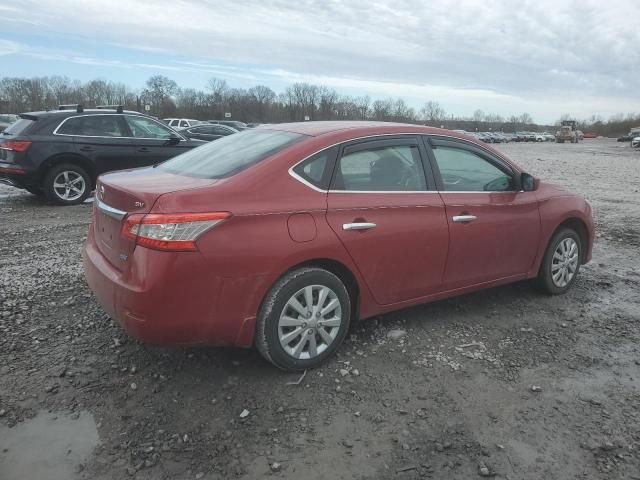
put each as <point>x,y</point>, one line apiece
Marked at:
<point>69,185</point>
<point>310,321</point>
<point>564,263</point>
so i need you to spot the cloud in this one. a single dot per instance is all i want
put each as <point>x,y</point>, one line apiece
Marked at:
<point>574,52</point>
<point>8,47</point>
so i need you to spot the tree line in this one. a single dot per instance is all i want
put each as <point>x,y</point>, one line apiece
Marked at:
<point>298,102</point>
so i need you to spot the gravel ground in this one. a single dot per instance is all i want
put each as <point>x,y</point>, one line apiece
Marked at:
<point>505,383</point>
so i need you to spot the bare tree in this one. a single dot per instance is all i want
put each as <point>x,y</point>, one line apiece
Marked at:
<point>432,112</point>
<point>158,94</point>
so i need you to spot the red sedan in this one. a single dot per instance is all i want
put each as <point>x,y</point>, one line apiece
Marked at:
<point>284,235</point>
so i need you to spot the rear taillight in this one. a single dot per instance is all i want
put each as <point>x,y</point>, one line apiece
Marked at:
<point>19,146</point>
<point>170,232</point>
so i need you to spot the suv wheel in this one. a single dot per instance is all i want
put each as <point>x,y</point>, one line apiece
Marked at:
<point>303,319</point>
<point>67,184</point>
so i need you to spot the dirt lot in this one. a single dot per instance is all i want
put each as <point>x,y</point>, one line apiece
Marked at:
<point>505,383</point>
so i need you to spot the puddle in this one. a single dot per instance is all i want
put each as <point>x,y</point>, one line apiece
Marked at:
<point>48,446</point>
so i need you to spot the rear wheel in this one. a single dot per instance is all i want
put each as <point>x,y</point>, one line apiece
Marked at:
<point>561,262</point>
<point>67,184</point>
<point>303,319</point>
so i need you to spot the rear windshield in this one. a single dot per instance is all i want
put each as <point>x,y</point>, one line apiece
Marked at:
<point>230,155</point>
<point>16,128</point>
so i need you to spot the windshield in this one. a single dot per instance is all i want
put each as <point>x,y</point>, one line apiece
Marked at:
<point>230,155</point>
<point>18,127</point>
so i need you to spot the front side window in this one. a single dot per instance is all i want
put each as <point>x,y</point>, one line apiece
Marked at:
<point>383,169</point>
<point>184,123</point>
<point>464,171</point>
<point>142,127</point>
<point>92,126</point>
<point>231,154</point>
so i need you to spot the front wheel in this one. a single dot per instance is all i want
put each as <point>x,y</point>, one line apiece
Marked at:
<point>561,262</point>
<point>67,184</point>
<point>304,319</point>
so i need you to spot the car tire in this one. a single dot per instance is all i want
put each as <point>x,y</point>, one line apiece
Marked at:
<point>558,258</point>
<point>293,341</point>
<point>67,184</point>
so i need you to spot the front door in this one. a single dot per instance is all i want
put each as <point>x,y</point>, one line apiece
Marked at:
<point>390,219</point>
<point>494,228</point>
<point>154,142</point>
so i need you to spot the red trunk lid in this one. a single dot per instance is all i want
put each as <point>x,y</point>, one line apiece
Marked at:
<point>126,192</point>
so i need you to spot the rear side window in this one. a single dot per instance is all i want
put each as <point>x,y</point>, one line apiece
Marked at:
<point>384,169</point>
<point>231,154</point>
<point>16,128</point>
<point>220,130</point>
<point>92,126</point>
<point>317,169</point>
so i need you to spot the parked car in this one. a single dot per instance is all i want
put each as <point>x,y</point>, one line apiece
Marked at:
<point>180,123</point>
<point>483,137</point>
<point>549,137</point>
<point>231,123</point>
<point>526,136</point>
<point>7,119</point>
<point>629,136</point>
<point>208,132</point>
<point>539,137</point>
<point>635,143</point>
<point>60,153</point>
<point>282,237</point>
<point>590,135</point>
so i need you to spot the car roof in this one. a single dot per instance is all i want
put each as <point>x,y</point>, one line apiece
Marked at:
<point>341,131</point>
<point>315,129</point>
<point>75,113</point>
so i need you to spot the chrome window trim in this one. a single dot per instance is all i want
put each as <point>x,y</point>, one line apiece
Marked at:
<point>109,210</point>
<point>55,132</point>
<point>320,190</point>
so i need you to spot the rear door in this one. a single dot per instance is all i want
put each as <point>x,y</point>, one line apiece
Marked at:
<point>154,142</point>
<point>494,228</point>
<point>100,138</point>
<point>385,210</point>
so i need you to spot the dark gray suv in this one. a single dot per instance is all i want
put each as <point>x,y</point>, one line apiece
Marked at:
<point>60,153</point>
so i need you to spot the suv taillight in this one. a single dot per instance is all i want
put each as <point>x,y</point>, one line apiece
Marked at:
<point>15,145</point>
<point>170,232</point>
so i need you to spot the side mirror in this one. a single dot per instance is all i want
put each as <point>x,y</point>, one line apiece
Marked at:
<point>173,140</point>
<point>528,183</point>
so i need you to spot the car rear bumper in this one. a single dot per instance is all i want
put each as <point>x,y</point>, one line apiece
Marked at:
<point>16,176</point>
<point>164,300</point>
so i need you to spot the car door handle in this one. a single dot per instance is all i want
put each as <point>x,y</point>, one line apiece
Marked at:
<point>358,226</point>
<point>144,149</point>
<point>464,218</point>
<point>87,149</point>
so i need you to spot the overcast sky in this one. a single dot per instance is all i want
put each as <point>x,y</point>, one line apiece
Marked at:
<point>508,57</point>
